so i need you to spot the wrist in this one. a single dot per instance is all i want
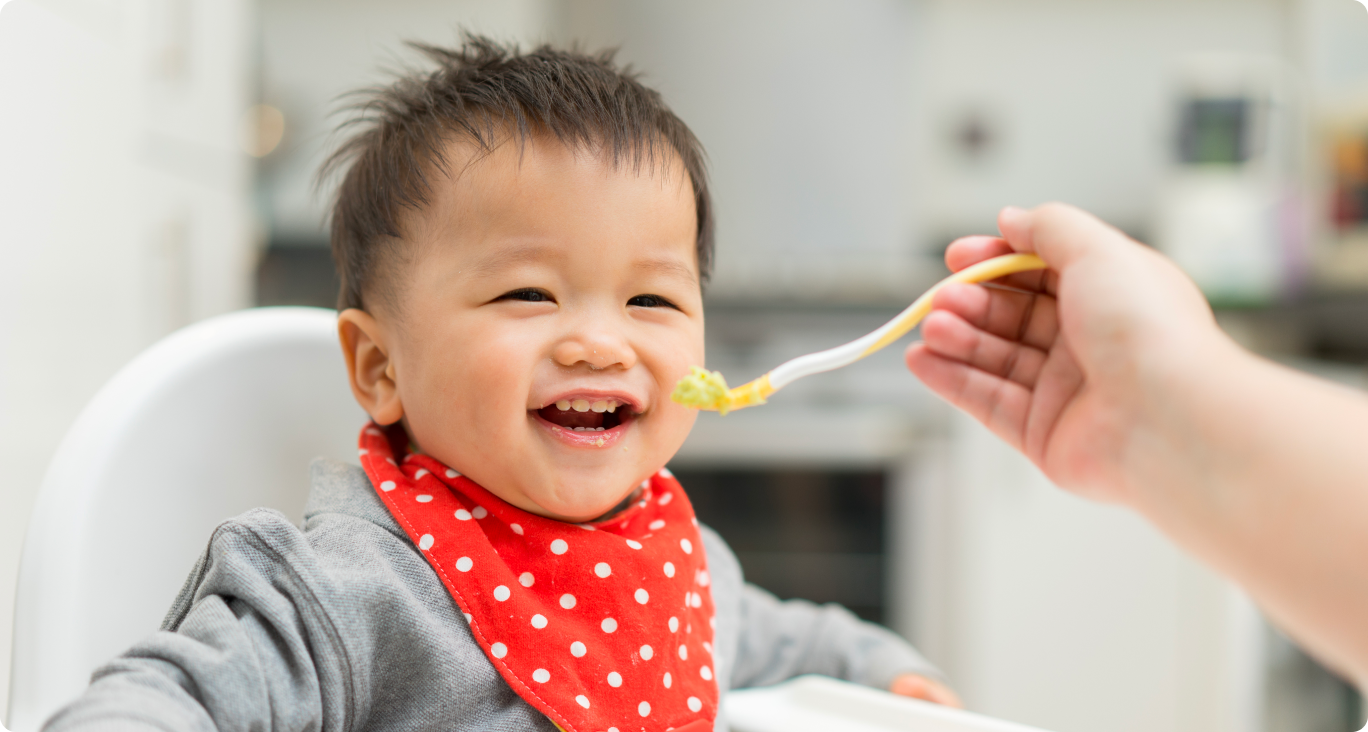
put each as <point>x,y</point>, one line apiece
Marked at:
<point>1184,397</point>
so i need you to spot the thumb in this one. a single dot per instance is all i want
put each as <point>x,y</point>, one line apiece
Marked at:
<point>1059,233</point>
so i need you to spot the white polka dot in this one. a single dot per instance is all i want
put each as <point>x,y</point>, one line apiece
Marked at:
<point>712,622</point>
<point>666,499</point>
<point>609,625</point>
<point>586,527</point>
<point>541,676</point>
<point>464,564</point>
<point>468,617</point>
<point>387,486</point>
<point>479,512</point>
<point>707,646</point>
<point>498,650</point>
<point>559,546</point>
<point>669,569</point>
<point>421,472</point>
<point>602,569</point>
<point>634,544</point>
<point>669,680</point>
<point>702,578</point>
<point>373,432</point>
<point>657,525</point>
<point>665,473</point>
<point>425,543</point>
<point>644,709</point>
<point>526,579</point>
<point>646,484</point>
<point>612,729</point>
<point>582,700</point>
<point>538,621</point>
<point>501,593</point>
<point>516,529</point>
<point>452,473</point>
<point>686,545</point>
<point>391,462</point>
<point>705,672</point>
<point>695,704</point>
<point>642,596</point>
<point>578,650</point>
<point>614,679</point>
<point>683,653</point>
<point>674,625</point>
<point>462,514</point>
<point>422,498</point>
<point>646,653</point>
<point>697,600</point>
<point>567,601</point>
<point>363,451</point>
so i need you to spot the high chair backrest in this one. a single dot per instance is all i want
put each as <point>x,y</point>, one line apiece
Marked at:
<point>217,418</point>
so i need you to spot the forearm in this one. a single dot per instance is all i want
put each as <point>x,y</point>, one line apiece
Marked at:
<point>1263,472</point>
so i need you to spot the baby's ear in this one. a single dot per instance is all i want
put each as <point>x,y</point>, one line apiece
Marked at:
<point>369,366</point>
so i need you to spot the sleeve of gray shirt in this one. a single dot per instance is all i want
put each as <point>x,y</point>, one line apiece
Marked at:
<point>782,639</point>
<point>244,656</point>
<point>342,626</point>
<point>776,639</point>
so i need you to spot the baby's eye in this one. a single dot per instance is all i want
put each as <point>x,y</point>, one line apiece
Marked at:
<point>651,301</point>
<point>527,294</point>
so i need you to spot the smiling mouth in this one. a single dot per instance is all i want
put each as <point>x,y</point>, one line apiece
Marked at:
<point>583,416</point>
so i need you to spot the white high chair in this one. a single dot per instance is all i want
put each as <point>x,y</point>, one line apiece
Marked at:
<point>221,417</point>
<point>217,418</point>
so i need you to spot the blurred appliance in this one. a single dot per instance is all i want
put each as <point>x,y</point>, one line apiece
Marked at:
<point>1229,209</point>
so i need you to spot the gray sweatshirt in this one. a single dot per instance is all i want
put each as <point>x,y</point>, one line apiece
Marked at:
<point>344,626</point>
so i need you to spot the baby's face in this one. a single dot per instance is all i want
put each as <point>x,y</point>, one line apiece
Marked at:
<point>549,306</point>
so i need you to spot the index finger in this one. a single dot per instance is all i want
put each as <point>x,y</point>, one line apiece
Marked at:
<point>971,250</point>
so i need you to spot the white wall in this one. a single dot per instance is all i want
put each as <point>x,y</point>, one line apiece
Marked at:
<point>122,210</point>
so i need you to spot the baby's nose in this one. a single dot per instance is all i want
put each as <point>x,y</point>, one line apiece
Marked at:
<point>598,350</point>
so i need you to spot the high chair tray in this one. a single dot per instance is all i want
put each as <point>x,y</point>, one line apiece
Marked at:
<point>822,704</point>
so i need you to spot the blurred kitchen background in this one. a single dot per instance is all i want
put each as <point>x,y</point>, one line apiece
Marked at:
<point>156,163</point>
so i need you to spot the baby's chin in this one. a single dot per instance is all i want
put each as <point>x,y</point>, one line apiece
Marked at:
<point>574,503</point>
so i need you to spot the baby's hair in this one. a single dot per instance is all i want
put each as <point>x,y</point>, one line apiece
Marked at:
<point>480,93</point>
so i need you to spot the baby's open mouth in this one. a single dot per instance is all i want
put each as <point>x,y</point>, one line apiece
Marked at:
<point>582,415</point>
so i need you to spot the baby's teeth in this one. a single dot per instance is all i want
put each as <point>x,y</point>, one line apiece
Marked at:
<point>600,406</point>
<point>598,429</point>
<point>612,407</point>
<point>580,405</point>
<point>579,429</point>
<point>563,404</point>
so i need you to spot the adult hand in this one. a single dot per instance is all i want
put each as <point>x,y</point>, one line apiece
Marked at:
<point>1065,364</point>
<point>1109,373</point>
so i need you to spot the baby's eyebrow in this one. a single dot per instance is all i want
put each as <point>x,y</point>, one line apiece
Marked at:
<point>670,267</point>
<point>511,257</point>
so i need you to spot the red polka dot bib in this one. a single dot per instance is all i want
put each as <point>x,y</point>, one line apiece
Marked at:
<point>603,627</point>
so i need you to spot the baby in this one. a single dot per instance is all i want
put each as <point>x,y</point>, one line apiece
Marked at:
<point>521,240</point>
